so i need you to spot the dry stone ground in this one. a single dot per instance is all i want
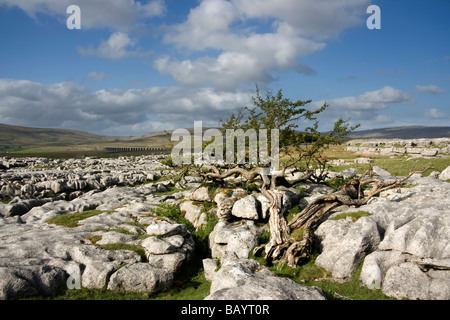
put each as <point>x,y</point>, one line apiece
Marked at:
<point>403,245</point>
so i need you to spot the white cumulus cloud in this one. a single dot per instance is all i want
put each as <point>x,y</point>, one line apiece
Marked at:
<point>433,89</point>
<point>121,15</point>
<point>366,106</point>
<point>113,111</point>
<point>118,46</point>
<point>241,53</point>
<point>435,113</point>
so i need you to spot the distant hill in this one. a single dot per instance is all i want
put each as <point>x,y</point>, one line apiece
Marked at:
<point>14,138</point>
<point>31,140</point>
<point>411,132</point>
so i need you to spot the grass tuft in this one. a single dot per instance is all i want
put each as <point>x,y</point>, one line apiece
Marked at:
<point>71,219</point>
<point>312,275</point>
<point>353,215</point>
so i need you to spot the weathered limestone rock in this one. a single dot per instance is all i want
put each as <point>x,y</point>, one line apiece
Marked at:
<point>296,176</point>
<point>225,199</point>
<point>265,205</point>
<point>407,280</point>
<point>349,173</point>
<point>97,274</point>
<point>198,194</point>
<point>245,279</point>
<point>424,235</point>
<point>211,267</point>
<point>445,175</point>
<point>192,211</point>
<point>343,257</point>
<point>169,253</point>
<point>19,282</point>
<point>376,265</point>
<point>156,246</point>
<point>413,147</point>
<point>238,238</point>
<point>141,277</point>
<point>246,208</point>
<point>163,228</point>
<point>430,152</point>
<point>363,160</point>
<point>406,241</point>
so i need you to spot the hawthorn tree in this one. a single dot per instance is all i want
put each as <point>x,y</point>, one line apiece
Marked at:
<point>301,154</point>
<point>299,151</point>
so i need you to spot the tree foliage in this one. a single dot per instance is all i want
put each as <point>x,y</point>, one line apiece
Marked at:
<point>299,147</point>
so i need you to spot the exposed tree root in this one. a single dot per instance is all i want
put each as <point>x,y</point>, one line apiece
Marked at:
<point>285,248</point>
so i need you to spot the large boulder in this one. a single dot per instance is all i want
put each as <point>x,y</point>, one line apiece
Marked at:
<point>238,238</point>
<point>246,279</point>
<point>193,212</point>
<point>198,194</point>
<point>445,175</point>
<point>141,277</point>
<point>413,260</point>
<point>343,256</point>
<point>408,280</point>
<point>247,208</point>
<point>169,253</point>
<point>164,228</point>
<point>23,281</point>
<point>225,199</point>
<point>405,243</point>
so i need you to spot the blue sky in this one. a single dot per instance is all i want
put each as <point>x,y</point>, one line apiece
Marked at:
<point>136,67</point>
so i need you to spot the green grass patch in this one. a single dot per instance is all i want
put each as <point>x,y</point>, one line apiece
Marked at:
<point>170,190</point>
<point>173,212</point>
<point>94,239</point>
<point>350,290</point>
<point>200,235</point>
<point>97,294</point>
<point>5,200</point>
<point>353,215</point>
<point>264,237</point>
<point>207,206</point>
<point>337,183</point>
<point>401,165</point>
<point>194,288</point>
<point>298,234</point>
<point>312,275</point>
<point>71,219</point>
<point>292,212</point>
<point>125,231</point>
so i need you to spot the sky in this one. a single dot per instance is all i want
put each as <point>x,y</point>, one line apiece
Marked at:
<point>136,67</point>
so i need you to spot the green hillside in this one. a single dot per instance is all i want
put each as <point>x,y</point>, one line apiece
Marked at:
<point>26,140</point>
<point>411,132</point>
<point>15,138</point>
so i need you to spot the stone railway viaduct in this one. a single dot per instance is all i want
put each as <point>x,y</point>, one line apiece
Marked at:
<point>155,150</point>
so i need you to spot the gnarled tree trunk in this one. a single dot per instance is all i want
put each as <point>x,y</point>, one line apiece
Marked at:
<point>283,246</point>
<point>292,250</point>
<point>279,229</point>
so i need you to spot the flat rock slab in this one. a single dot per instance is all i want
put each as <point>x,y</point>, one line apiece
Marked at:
<point>246,279</point>
<point>404,245</point>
